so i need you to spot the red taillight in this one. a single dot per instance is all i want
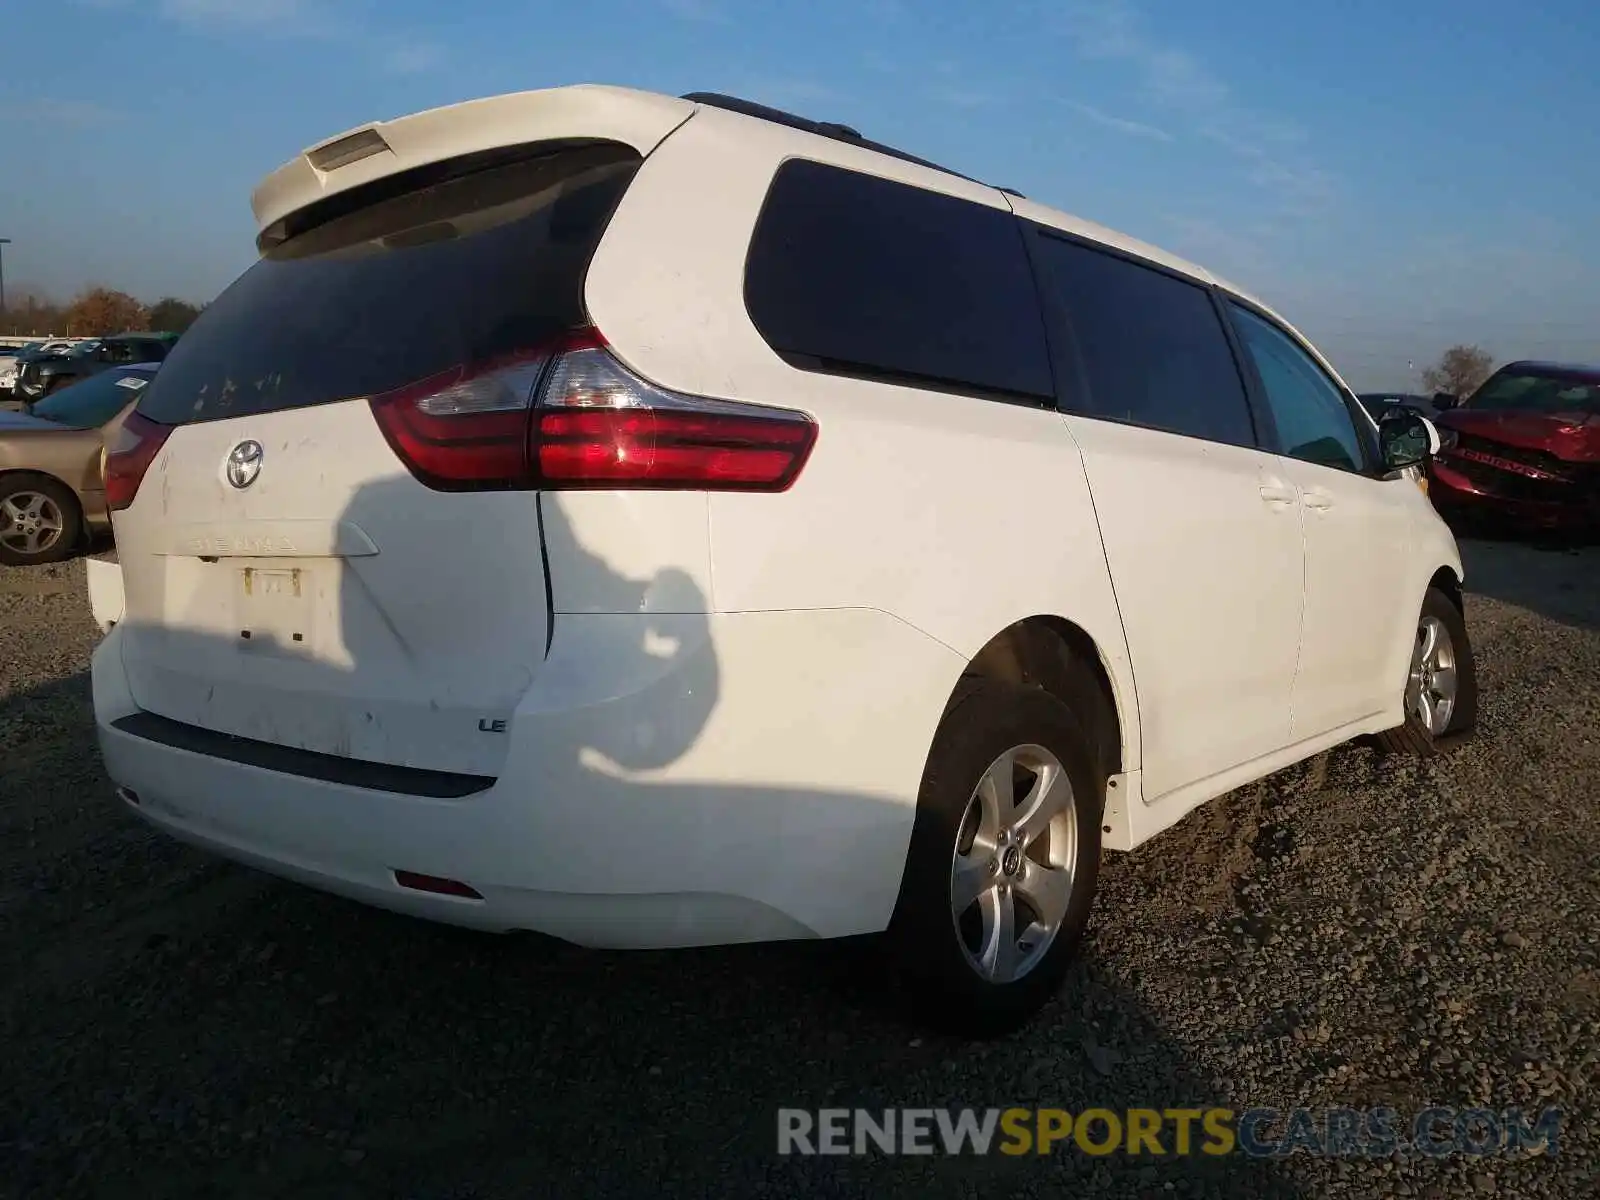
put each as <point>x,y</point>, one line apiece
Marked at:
<point>464,430</point>
<point>622,447</point>
<point>129,456</point>
<point>601,426</point>
<point>593,424</point>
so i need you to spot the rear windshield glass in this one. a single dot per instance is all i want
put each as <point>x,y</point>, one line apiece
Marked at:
<point>461,272</point>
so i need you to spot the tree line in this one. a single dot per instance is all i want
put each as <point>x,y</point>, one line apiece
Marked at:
<point>96,312</point>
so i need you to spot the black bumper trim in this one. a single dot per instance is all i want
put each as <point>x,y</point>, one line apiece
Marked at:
<point>308,764</point>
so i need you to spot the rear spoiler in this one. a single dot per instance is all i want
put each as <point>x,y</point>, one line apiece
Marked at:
<point>587,112</point>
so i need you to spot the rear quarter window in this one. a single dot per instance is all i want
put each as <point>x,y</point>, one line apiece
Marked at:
<point>848,273</point>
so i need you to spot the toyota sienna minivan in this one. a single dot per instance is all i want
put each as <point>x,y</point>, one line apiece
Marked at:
<point>658,522</point>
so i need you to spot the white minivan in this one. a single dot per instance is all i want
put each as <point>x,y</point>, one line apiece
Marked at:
<point>659,522</point>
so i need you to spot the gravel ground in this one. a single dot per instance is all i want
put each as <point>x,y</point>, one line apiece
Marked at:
<point>1355,931</point>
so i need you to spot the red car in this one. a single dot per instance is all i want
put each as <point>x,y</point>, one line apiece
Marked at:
<point>1523,450</point>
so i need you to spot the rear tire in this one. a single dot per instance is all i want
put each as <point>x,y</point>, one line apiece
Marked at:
<point>1441,697</point>
<point>1008,820</point>
<point>40,521</point>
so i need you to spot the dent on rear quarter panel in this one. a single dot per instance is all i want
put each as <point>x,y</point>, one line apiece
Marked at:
<point>627,552</point>
<point>866,528</point>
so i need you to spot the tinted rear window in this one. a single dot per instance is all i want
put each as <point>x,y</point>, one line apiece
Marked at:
<point>460,272</point>
<point>1151,345</point>
<point>854,274</point>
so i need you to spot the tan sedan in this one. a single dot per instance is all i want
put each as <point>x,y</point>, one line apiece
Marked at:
<point>52,492</point>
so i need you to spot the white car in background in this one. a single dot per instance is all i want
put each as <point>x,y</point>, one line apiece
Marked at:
<point>665,521</point>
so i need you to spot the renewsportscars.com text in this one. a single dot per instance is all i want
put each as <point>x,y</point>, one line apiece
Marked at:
<point>1258,1132</point>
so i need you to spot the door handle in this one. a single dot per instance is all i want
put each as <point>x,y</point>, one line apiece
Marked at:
<point>1277,493</point>
<point>1320,501</point>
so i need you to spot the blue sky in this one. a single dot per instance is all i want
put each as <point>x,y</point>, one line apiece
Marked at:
<point>1394,175</point>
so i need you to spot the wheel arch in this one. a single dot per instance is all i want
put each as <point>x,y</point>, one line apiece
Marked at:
<point>1448,581</point>
<point>9,474</point>
<point>1031,651</point>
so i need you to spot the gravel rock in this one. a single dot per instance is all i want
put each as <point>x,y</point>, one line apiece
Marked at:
<point>1357,931</point>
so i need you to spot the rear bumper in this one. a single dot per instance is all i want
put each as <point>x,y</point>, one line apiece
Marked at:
<point>630,813</point>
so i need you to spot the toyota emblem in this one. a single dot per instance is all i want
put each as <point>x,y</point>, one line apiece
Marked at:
<point>244,463</point>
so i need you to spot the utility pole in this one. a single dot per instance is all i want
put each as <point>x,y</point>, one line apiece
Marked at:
<point>4,242</point>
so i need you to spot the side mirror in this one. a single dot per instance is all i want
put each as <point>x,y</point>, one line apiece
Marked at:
<point>1445,401</point>
<point>1407,439</point>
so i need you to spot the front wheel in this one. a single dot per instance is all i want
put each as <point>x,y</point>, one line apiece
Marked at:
<point>1441,697</point>
<point>1004,858</point>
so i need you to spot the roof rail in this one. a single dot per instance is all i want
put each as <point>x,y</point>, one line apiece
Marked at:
<point>827,129</point>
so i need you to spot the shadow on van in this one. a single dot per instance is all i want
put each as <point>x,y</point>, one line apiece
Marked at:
<point>178,1026</point>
